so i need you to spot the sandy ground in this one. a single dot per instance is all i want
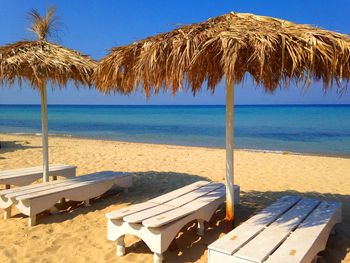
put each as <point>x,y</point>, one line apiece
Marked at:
<point>78,234</point>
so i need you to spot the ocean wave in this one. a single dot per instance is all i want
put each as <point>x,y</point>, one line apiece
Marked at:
<point>40,134</point>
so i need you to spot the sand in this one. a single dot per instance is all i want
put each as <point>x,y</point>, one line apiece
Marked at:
<point>78,234</point>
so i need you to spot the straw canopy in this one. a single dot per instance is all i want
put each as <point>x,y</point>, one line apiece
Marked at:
<point>40,60</point>
<point>273,51</point>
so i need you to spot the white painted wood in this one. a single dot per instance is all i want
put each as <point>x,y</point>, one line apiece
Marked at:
<point>219,257</point>
<point>149,213</point>
<point>7,212</point>
<point>71,184</point>
<point>120,246</point>
<point>187,198</point>
<point>26,170</point>
<point>158,200</point>
<point>166,217</point>
<point>178,192</point>
<point>242,234</point>
<point>32,220</point>
<point>268,240</point>
<point>21,177</point>
<point>158,239</point>
<point>207,199</point>
<point>166,221</point>
<point>119,214</point>
<point>39,198</point>
<point>192,207</point>
<point>175,213</point>
<point>87,203</point>
<point>35,188</point>
<point>200,227</point>
<point>157,258</point>
<point>300,245</point>
<point>45,134</point>
<point>310,237</point>
<point>229,150</point>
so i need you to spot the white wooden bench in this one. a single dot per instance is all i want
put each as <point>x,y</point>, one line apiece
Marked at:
<point>292,229</point>
<point>25,176</point>
<point>33,199</point>
<point>158,220</point>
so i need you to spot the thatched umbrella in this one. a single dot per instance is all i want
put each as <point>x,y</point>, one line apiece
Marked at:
<point>272,51</point>
<point>40,61</point>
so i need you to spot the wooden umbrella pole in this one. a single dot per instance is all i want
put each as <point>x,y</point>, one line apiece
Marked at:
<point>229,155</point>
<point>45,140</point>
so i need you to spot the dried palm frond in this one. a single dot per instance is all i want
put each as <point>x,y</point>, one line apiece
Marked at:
<point>272,51</point>
<point>43,26</point>
<point>37,61</point>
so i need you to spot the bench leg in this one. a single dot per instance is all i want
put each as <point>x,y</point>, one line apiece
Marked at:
<point>62,201</point>
<point>315,259</point>
<point>87,203</point>
<point>120,246</point>
<point>7,213</point>
<point>32,220</point>
<point>200,229</point>
<point>54,178</point>
<point>333,232</point>
<point>157,258</point>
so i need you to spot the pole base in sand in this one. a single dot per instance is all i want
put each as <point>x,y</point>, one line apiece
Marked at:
<point>230,224</point>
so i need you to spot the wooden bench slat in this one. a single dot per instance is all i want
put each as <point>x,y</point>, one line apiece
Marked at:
<point>119,214</point>
<point>310,237</point>
<point>148,213</point>
<point>23,177</point>
<point>178,192</point>
<point>21,170</point>
<point>206,199</point>
<point>173,215</point>
<point>13,192</point>
<point>197,193</point>
<point>29,187</point>
<point>259,248</point>
<point>167,217</point>
<point>171,205</point>
<point>235,239</point>
<point>32,170</point>
<point>76,184</point>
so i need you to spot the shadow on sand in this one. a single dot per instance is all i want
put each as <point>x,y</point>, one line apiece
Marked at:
<point>155,183</point>
<point>188,246</point>
<point>11,146</point>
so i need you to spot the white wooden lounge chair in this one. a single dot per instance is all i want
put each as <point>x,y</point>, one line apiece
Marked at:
<point>292,229</point>
<point>158,220</point>
<point>33,199</point>
<point>25,176</point>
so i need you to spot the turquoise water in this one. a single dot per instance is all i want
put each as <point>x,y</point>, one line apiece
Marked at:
<point>307,129</point>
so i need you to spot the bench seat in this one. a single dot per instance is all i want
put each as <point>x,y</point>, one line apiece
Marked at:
<point>33,199</point>
<point>25,176</point>
<point>292,229</point>
<point>158,220</point>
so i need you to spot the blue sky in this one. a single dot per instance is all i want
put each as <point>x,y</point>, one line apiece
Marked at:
<point>93,27</point>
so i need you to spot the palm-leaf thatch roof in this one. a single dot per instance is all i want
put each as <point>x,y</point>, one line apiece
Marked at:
<point>273,51</point>
<point>40,60</point>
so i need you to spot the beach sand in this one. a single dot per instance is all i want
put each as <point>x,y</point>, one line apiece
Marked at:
<point>78,234</point>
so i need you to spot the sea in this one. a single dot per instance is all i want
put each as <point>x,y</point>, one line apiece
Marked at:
<point>311,129</point>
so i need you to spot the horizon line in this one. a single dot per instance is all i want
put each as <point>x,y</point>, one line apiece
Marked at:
<point>275,104</point>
